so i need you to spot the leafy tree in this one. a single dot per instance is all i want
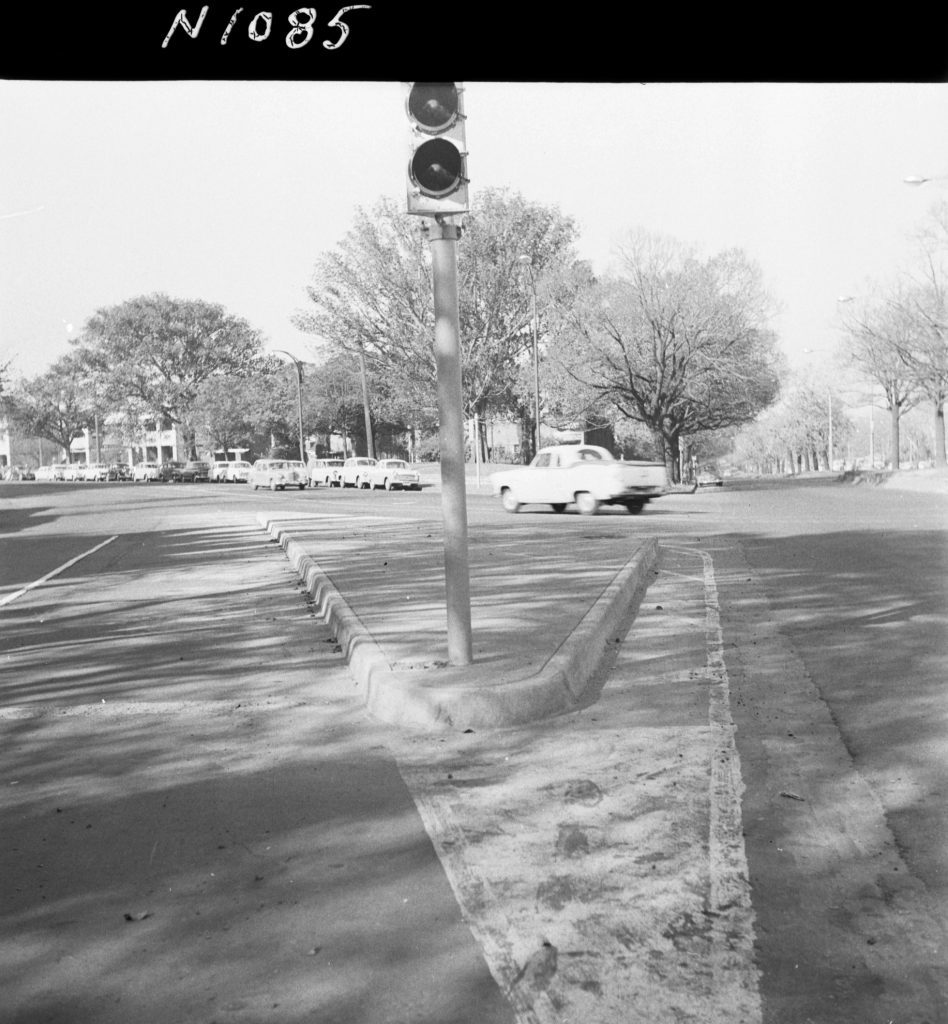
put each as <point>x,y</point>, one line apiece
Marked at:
<point>677,343</point>
<point>159,352</point>
<point>374,295</point>
<point>55,405</point>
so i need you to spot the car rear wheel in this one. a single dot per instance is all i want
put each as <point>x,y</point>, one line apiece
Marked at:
<point>509,500</point>
<point>273,485</point>
<point>388,485</point>
<point>586,504</point>
<point>559,506</point>
<point>635,507</point>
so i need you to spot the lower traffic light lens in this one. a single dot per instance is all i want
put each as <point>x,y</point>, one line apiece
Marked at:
<point>436,167</point>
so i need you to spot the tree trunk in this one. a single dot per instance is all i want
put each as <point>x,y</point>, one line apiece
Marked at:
<point>940,459</point>
<point>671,448</point>
<point>894,433</point>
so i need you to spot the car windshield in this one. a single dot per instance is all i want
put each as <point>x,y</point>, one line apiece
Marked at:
<point>397,464</point>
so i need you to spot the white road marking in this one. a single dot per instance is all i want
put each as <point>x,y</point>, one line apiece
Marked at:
<point>730,898</point>
<point>598,858</point>
<point>55,572</point>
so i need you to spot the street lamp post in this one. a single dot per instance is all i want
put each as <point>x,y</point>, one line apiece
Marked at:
<point>526,261</point>
<point>299,395</point>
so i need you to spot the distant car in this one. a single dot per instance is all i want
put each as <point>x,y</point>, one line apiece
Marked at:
<point>325,471</point>
<point>74,471</point>
<point>96,471</point>
<point>120,471</point>
<point>146,471</point>
<point>48,473</point>
<point>709,480</point>
<point>355,471</point>
<point>394,474</point>
<point>582,473</point>
<point>191,472</point>
<point>20,473</point>
<point>237,472</point>
<point>277,474</point>
<point>217,472</point>
<point>167,470</point>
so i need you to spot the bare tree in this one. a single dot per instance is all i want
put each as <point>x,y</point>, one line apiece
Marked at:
<point>880,335</point>
<point>675,342</point>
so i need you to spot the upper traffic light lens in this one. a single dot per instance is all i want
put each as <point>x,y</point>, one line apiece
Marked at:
<point>434,106</point>
<point>437,168</point>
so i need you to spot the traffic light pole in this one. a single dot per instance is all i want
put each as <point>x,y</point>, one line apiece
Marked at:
<point>443,237</point>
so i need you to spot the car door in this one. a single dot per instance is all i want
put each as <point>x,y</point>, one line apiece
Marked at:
<point>560,479</point>
<point>541,484</point>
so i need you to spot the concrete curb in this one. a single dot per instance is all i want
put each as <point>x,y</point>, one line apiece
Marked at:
<point>466,697</point>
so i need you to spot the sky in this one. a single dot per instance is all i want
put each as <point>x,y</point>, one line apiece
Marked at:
<point>229,191</point>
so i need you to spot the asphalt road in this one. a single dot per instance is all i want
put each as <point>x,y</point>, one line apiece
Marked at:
<point>831,604</point>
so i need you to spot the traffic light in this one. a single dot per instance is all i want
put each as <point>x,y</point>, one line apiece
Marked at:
<point>437,163</point>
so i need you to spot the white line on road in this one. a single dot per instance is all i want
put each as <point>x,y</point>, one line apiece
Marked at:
<point>55,572</point>
<point>730,898</point>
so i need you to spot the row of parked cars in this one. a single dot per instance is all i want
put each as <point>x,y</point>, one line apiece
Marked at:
<point>83,471</point>
<point>359,471</point>
<point>275,474</point>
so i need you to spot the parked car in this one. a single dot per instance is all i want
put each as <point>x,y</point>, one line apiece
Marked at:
<point>120,471</point>
<point>709,480</point>
<point>74,471</point>
<point>582,473</point>
<point>394,474</point>
<point>217,472</point>
<point>48,473</point>
<point>238,472</point>
<point>19,473</point>
<point>277,474</point>
<point>167,470</point>
<point>190,472</point>
<point>146,471</point>
<point>326,471</point>
<point>96,471</point>
<point>355,471</point>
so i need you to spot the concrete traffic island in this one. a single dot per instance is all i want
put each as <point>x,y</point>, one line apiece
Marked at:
<point>525,677</point>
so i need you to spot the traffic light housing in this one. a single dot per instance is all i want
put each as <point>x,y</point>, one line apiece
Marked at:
<point>437,162</point>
